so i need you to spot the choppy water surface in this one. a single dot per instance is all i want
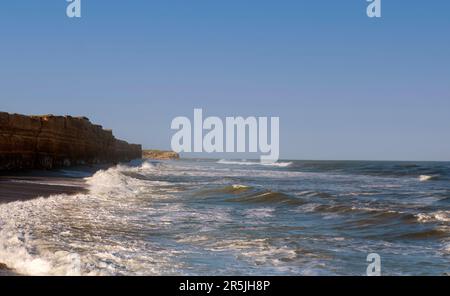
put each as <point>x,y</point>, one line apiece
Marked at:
<point>237,218</point>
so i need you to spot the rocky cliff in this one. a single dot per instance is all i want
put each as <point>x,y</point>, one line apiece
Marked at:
<point>46,142</point>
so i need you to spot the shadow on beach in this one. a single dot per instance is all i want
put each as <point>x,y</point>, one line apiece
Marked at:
<point>21,188</point>
<point>26,185</point>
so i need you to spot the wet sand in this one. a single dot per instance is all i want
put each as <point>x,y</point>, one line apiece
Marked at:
<point>20,188</point>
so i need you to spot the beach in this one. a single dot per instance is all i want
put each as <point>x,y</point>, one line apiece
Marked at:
<point>21,188</point>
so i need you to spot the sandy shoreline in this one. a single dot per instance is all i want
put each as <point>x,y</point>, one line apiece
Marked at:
<point>21,188</point>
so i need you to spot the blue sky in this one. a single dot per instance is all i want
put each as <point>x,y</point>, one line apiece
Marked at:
<point>345,86</point>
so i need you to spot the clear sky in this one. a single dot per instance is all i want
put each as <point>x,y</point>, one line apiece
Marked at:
<point>345,86</point>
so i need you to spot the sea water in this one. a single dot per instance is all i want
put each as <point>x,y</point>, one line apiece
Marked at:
<point>209,217</point>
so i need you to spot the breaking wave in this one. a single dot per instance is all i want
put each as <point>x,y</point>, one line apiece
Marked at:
<point>272,164</point>
<point>439,216</point>
<point>266,197</point>
<point>84,234</point>
<point>424,178</point>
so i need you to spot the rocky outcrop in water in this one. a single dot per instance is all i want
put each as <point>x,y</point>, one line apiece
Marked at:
<point>46,142</point>
<point>160,154</point>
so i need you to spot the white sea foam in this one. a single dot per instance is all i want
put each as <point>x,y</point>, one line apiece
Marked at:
<point>259,251</point>
<point>238,186</point>
<point>446,248</point>
<point>273,164</point>
<point>306,208</point>
<point>112,182</point>
<point>85,234</point>
<point>19,246</point>
<point>259,213</point>
<point>424,178</point>
<point>439,216</point>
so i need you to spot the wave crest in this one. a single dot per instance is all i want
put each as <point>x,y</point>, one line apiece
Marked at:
<point>270,164</point>
<point>267,197</point>
<point>424,178</point>
<point>440,216</point>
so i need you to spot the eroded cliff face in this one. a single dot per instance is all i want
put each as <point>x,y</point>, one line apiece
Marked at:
<point>46,142</point>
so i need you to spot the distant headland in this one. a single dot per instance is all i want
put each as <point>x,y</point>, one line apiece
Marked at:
<point>160,154</point>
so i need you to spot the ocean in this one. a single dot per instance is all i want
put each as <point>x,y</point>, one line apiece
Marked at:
<point>210,217</point>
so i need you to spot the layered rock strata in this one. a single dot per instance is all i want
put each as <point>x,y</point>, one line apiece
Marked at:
<point>47,142</point>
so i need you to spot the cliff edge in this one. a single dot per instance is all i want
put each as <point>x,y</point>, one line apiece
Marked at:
<point>47,142</point>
